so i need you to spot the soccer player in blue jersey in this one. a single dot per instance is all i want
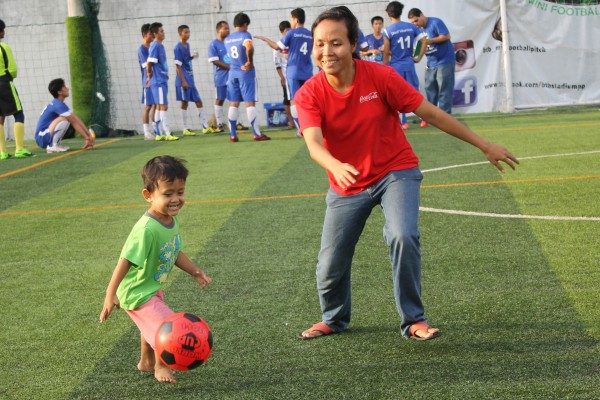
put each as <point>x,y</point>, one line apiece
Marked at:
<point>242,77</point>
<point>299,43</point>
<point>400,39</point>
<point>439,74</point>
<point>56,119</point>
<point>375,41</point>
<point>158,76</point>
<point>217,55</point>
<point>185,87</point>
<point>147,99</point>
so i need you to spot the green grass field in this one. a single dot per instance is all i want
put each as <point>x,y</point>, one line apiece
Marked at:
<point>515,297</point>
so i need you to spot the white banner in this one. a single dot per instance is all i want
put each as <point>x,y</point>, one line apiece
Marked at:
<point>554,52</point>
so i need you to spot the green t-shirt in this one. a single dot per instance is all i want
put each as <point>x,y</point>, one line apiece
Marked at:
<point>152,248</point>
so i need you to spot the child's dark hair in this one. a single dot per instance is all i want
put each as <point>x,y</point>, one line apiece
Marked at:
<point>56,86</point>
<point>165,168</point>
<point>181,28</point>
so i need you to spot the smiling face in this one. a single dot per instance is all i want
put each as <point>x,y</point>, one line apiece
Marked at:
<point>332,50</point>
<point>166,200</point>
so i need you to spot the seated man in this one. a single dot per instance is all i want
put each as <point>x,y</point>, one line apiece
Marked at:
<point>55,121</point>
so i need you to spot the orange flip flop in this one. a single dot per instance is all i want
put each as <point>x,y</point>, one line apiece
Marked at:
<point>322,328</point>
<point>417,326</point>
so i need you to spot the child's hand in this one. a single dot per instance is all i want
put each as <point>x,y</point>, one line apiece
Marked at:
<point>202,278</point>
<point>109,303</point>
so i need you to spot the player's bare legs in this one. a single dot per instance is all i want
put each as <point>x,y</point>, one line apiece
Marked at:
<point>147,359</point>
<point>162,373</point>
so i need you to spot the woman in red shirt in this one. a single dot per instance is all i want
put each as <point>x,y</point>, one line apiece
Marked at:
<point>349,114</point>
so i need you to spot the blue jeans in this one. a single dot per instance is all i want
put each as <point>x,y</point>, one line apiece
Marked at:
<point>439,86</point>
<point>398,195</point>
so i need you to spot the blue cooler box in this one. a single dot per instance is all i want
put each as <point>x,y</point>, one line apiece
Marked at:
<point>276,114</point>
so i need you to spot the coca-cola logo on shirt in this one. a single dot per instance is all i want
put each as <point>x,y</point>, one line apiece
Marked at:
<point>369,97</point>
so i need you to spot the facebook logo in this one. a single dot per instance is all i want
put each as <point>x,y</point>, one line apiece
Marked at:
<point>465,92</point>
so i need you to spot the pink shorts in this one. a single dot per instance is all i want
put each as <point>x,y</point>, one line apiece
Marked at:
<point>150,315</point>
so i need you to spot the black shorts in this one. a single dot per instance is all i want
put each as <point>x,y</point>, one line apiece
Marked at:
<point>10,103</point>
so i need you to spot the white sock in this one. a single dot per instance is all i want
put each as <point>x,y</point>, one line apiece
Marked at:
<point>219,114</point>
<point>253,118</point>
<point>202,116</point>
<point>157,121</point>
<point>233,115</point>
<point>184,118</point>
<point>59,132</point>
<point>164,120</point>
<point>294,113</point>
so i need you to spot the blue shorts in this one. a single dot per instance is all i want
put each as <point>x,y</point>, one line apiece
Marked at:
<point>43,139</point>
<point>293,85</point>
<point>147,98</point>
<point>221,92</point>
<point>189,94</point>
<point>239,89</point>
<point>160,92</point>
<point>410,77</point>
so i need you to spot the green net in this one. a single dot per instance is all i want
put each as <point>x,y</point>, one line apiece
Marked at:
<point>101,107</point>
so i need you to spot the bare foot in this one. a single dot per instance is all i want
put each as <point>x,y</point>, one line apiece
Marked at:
<point>164,374</point>
<point>145,366</point>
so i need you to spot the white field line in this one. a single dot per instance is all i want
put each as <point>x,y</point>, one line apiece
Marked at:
<point>515,216</point>
<point>522,158</point>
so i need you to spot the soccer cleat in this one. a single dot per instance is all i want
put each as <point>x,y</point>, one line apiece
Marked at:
<point>4,156</point>
<point>424,124</point>
<point>219,129</point>
<point>170,138</point>
<point>23,153</point>
<point>208,130</point>
<point>56,149</point>
<point>261,138</point>
<point>405,127</point>
<point>149,136</point>
<point>187,132</point>
<point>160,138</point>
<point>241,127</point>
<point>299,135</point>
<point>233,139</point>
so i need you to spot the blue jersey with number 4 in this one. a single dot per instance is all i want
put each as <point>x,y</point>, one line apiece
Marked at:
<point>299,43</point>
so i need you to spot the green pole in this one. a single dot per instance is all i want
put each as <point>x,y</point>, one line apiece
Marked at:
<point>79,37</point>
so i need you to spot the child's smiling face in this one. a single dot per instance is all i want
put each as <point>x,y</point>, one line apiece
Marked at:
<point>166,200</point>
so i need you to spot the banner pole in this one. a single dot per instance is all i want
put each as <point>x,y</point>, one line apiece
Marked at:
<point>506,58</point>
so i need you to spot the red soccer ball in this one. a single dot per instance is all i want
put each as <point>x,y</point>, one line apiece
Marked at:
<point>184,341</point>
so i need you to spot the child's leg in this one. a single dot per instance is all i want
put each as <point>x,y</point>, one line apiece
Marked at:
<point>148,318</point>
<point>147,358</point>
<point>162,373</point>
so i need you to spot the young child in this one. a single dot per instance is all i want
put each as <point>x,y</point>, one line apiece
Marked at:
<point>151,250</point>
